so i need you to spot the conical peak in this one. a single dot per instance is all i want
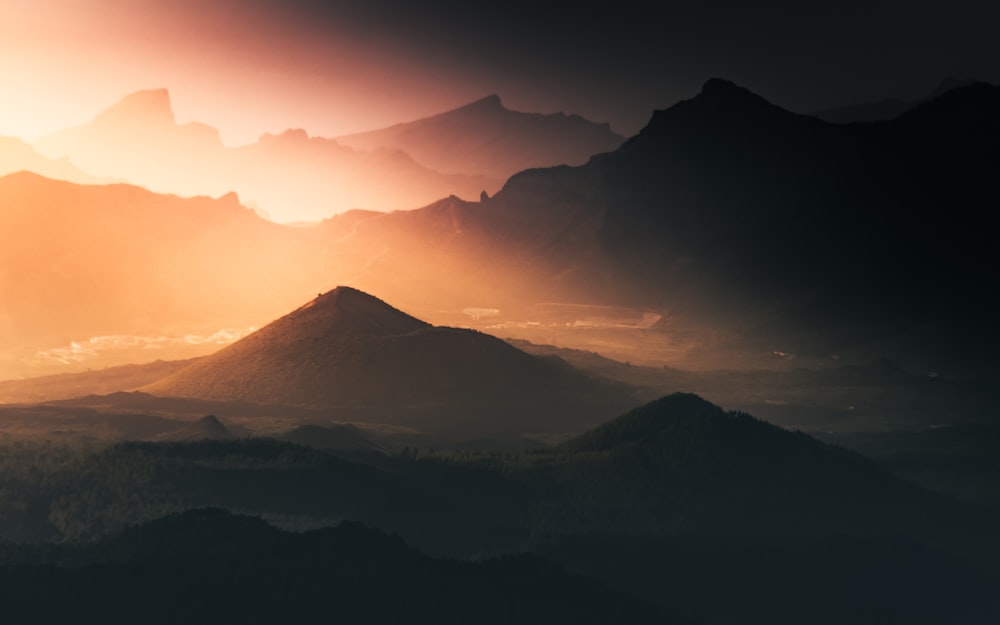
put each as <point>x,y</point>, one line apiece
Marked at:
<point>149,106</point>
<point>346,309</point>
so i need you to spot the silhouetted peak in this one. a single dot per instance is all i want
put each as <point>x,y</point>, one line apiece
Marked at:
<point>148,107</point>
<point>210,421</point>
<point>646,424</point>
<point>717,93</point>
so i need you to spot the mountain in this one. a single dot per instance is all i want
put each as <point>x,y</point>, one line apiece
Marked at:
<point>206,428</point>
<point>297,177</point>
<point>486,138</point>
<point>748,220</point>
<point>101,382</point>
<point>886,109</point>
<point>352,353</point>
<point>747,230</point>
<point>139,140</point>
<point>88,271</point>
<point>16,155</point>
<point>292,177</point>
<point>341,438</point>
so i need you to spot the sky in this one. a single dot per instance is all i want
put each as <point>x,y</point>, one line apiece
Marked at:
<point>252,66</point>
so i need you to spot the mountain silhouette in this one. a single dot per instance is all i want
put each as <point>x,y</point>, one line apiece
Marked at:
<point>294,177</point>
<point>349,349</point>
<point>16,155</point>
<point>888,108</point>
<point>338,438</point>
<point>692,466</point>
<point>120,261</point>
<point>206,428</point>
<point>728,209</point>
<point>486,138</point>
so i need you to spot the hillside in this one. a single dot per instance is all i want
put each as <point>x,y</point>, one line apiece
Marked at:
<point>346,350</point>
<point>204,559</point>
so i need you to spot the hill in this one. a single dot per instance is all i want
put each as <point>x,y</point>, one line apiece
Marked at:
<point>346,350</point>
<point>486,138</point>
<point>203,559</point>
<point>206,428</point>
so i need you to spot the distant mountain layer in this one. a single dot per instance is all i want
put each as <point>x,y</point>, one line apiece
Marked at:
<point>293,177</point>
<point>486,138</point>
<point>16,155</point>
<point>88,261</point>
<point>886,109</point>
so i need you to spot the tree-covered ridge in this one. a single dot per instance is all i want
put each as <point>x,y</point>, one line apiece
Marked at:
<point>209,566</point>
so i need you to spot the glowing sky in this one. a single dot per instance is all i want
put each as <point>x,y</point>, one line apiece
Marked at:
<point>335,67</point>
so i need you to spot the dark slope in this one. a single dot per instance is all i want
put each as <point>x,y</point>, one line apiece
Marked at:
<point>486,138</point>
<point>347,350</point>
<point>337,438</point>
<point>829,581</point>
<point>213,567</point>
<point>681,464</point>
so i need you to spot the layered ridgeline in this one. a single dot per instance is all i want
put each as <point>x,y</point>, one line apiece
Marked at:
<point>741,213</point>
<point>487,138</point>
<point>783,231</point>
<point>680,502</point>
<point>357,356</point>
<point>16,155</point>
<point>294,177</point>
<point>219,567</point>
<point>88,270</point>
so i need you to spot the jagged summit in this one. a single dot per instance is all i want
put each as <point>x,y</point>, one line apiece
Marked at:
<point>151,106</point>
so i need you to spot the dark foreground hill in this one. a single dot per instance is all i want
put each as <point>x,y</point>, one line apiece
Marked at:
<point>207,566</point>
<point>350,352</point>
<point>713,514</point>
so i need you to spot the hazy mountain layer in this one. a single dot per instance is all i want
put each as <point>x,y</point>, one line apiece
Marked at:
<point>488,139</point>
<point>292,177</point>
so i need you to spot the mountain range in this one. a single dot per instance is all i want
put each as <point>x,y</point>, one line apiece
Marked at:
<point>486,138</point>
<point>292,177</point>
<point>744,226</point>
